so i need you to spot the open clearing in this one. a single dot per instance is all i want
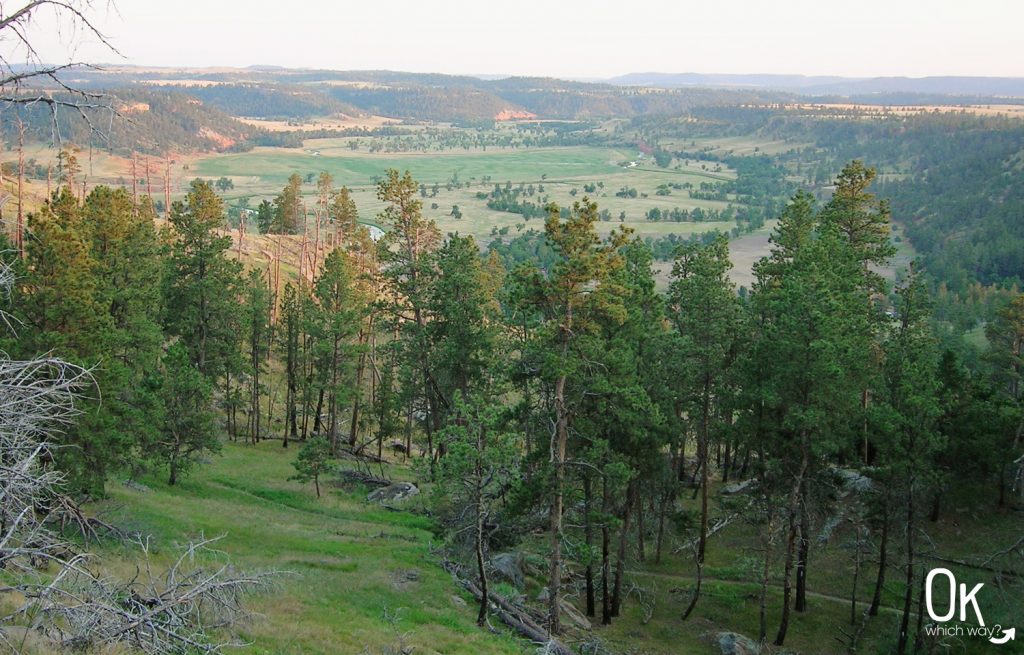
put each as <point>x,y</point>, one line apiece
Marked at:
<point>355,575</point>
<point>561,171</point>
<point>359,576</point>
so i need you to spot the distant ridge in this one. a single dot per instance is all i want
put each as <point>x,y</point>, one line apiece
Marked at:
<point>833,85</point>
<point>766,81</point>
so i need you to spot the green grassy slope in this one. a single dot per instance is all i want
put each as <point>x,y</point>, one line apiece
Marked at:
<point>361,578</point>
<point>350,564</point>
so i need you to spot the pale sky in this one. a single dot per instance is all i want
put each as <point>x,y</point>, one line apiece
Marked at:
<point>562,38</point>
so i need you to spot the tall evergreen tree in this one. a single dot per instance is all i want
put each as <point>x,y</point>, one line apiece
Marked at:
<point>201,283</point>
<point>1006,359</point>
<point>256,325</point>
<point>814,332</point>
<point>188,429</point>
<point>340,308</point>
<point>289,214</point>
<point>463,329</point>
<point>706,312</point>
<point>574,294</point>
<point>406,255</point>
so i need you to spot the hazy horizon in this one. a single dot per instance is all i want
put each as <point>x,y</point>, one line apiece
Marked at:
<point>596,40</point>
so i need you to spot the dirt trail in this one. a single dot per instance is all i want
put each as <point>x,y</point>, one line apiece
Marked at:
<point>810,594</point>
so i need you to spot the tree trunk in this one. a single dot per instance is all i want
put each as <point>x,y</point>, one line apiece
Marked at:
<point>856,576</point>
<point>908,595</point>
<point>360,367</point>
<point>318,423</point>
<point>561,438</point>
<point>641,556</point>
<point>481,618</point>
<point>174,469</point>
<point>803,550</point>
<point>606,607</point>
<point>726,462</point>
<point>696,592</point>
<point>787,589</point>
<point>765,573</point>
<point>666,495</point>
<point>620,564</point>
<point>883,549</point>
<point>588,532</point>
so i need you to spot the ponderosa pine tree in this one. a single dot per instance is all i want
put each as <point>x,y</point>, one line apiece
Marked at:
<point>406,255</point>
<point>1006,359</point>
<point>289,214</point>
<point>201,283</point>
<point>343,215</point>
<point>188,428</point>
<point>90,292</point>
<point>265,217</point>
<point>289,329</point>
<point>864,223</point>
<point>463,330</point>
<point>905,418</point>
<point>705,311</point>
<point>814,332</point>
<point>256,324</point>
<point>315,459</point>
<point>476,472</point>
<point>574,294</point>
<point>340,309</point>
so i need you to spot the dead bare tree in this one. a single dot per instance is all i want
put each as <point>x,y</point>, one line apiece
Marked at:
<point>179,610</point>
<point>27,79</point>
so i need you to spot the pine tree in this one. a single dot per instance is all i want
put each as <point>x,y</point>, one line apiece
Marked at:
<point>706,312</point>
<point>188,429</point>
<point>406,254</point>
<point>288,335</point>
<point>257,335</point>
<point>1005,357</point>
<point>475,474</point>
<point>340,309</point>
<point>315,459</point>
<point>813,333</point>
<point>463,331</point>
<point>90,293</point>
<point>201,283</point>
<point>289,215</point>
<point>343,215</point>
<point>906,417</point>
<point>575,294</point>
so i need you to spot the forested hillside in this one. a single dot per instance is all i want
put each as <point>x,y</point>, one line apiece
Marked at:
<point>438,363</point>
<point>126,120</point>
<point>270,101</point>
<point>571,417</point>
<point>953,180</point>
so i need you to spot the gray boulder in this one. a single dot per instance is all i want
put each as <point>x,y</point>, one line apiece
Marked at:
<point>733,643</point>
<point>740,487</point>
<point>393,493</point>
<point>510,566</point>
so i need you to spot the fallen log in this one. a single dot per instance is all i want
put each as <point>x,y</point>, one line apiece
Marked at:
<point>510,615</point>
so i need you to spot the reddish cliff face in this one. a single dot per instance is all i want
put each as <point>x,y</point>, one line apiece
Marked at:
<point>133,108</point>
<point>222,142</point>
<point>513,114</point>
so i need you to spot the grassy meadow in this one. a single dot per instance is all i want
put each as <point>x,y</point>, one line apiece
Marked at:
<point>563,171</point>
<point>354,577</point>
<point>358,578</point>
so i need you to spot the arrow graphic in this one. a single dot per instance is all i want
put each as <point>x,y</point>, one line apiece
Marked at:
<point>1007,636</point>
